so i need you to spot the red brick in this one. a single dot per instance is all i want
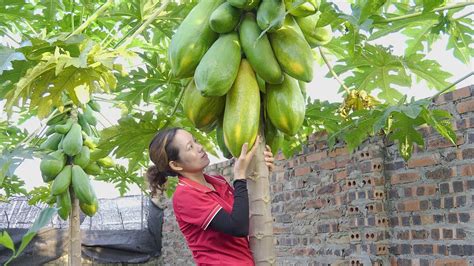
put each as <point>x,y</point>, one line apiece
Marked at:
<point>342,161</point>
<point>467,170</point>
<point>315,203</point>
<point>465,106</point>
<point>316,156</point>
<point>441,173</point>
<point>338,152</point>
<point>412,205</point>
<point>341,175</point>
<point>450,262</point>
<point>302,171</point>
<point>427,219</point>
<point>328,165</point>
<point>461,93</point>
<point>404,178</point>
<point>441,142</point>
<point>423,161</point>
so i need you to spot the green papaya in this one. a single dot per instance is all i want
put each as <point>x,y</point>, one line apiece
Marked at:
<point>244,4</point>
<point>261,84</point>
<point>82,185</point>
<point>52,142</point>
<point>106,162</point>
<point>94,105</point>
<point>242,110</point>
<point>72,143</point>
<point>298,9</point>
<point>259,51</point>
<point>270,14</point>
<point>89,209</point>
<point>202,111</point>
<point>292,51</point>
<point>314,35</point>
<point>192,39</point>
<point>218,68</point>
<point>63,202</point>
<point>220,140</point>
<point>52,164</point>
<point>302,86</point>
<point>273,136</point>
<point>225,18</point>
<point>64,128</point>
<point>84,125</point>
<point>93,169</point>
<point>89,115</point>
<point>285,106</point>
<point>57,119</point>
<point>50,130</point>
<point>83,158</point>
<point>62,181</point>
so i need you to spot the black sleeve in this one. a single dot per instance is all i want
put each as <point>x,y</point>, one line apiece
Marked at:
<point>236,223</point>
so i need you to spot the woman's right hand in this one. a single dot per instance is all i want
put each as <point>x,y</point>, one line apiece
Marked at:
<point>242,163</point>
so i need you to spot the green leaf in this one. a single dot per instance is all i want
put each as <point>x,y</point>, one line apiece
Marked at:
<point>8,55</point>
<point>419,33</point>
<point>405,133</point>
<point>428,70</point>
<point>39,195</point>
<point>441,121</point>
<point>461,38</point>
<point>6,241</point>
<point>43,219</point>
<point>369,8</point>
<point>122,178</point>
<point>429,5</point>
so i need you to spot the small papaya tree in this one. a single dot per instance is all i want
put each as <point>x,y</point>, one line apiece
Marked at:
<point>224,70</point>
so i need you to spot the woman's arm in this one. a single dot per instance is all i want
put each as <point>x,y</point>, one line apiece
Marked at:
<point>237,222</point>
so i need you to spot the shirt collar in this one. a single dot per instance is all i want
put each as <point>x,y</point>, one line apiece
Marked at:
<point>215,181</point>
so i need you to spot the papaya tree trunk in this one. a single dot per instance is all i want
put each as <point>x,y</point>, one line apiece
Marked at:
<point>261,220</point>
<point>74,256</point>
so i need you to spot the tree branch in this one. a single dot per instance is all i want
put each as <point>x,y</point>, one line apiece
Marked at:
<point>332,70</point>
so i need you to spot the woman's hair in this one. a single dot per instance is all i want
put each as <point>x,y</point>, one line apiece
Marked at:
<point>161,153</point>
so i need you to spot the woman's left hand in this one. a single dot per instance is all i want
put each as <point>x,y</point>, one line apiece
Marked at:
<point>269,158</point>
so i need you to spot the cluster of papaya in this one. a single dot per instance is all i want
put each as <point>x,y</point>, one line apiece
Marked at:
<point>242,54</point>
<point>71,157</point>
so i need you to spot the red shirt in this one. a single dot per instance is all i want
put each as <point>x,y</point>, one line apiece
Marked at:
<point>195,206</point>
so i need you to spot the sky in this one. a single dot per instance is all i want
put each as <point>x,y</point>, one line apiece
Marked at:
<point>320,88</point>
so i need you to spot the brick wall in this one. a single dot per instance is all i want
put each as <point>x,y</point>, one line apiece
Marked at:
<point>370,207</point>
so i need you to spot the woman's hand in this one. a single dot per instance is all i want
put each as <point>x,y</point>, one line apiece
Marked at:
<point>269,158</point>
<point>242,163</point>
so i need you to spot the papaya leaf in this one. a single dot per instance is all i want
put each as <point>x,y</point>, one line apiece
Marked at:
<point>122,178</point>
<point>461,34</point>
<point>6,241</point>
<point>405,133</point>
<point>419,33</point>
<point>428,70</point>
<point>441,121</point>
<point>429,5</point>
<point>39,195</point>
<point>8,55</point>
<point>383,29</point>
<point>12,186</point>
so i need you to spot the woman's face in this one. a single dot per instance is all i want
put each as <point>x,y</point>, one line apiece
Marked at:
<point>192,157</point>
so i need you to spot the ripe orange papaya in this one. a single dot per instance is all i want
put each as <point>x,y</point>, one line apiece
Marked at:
<point>285,105</point>
<point>258,51</point>
<point>218,68</point>
<point>202,111</point>
<point>192,39</point>
<point>242,110</point>
<point>292,51</point>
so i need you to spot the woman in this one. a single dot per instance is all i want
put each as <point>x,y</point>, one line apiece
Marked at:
<point>213,216</point>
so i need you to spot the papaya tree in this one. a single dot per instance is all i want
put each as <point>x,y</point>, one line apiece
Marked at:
<point>224,70</point>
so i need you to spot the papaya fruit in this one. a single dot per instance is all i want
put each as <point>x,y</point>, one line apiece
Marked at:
<point>242,110</point>
<point>62,181</point>
<point>93,168</point>
<point>83,158</point>
<point>89,209</point>
<point>72,142</point>
<point>192,39</point>
<point>218,68</point>
<point>261,84</point>
<point>52,142</point>
<point>273,136</point>
<point>259,51</point>
<point>52,164</point>
<point>314,35</point>
<point>94,105</point>
<point>220,139</point>
<point>202,111</point>
<point>302,86</point>
<point>64,128</point>
<point>225,18</point>
<point>89,115</point>
<point>82,185</point>
<point>50,130</point>
<point>298,9</point>
<point>292,51</point>
<point>84,125</point>
<point>285,105</point>
<point>63,202</point>
<point>106,162</point>
<point>270,14</point>
<point>57,119</point>
<point>244,4</point>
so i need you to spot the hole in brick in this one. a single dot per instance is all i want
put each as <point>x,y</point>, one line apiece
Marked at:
<point>366,154</point>
<point>349,183</point>
<point>357,236</point>
<point>351,209</point>
<point>363,182</point>
<point>379,166</point>
<point>372,235</point>
<point>371,207</point>
<point>362,154</point>
<point>352,236</point>
<point>352,262</point>
<point>329,201</point>
<point>353,183</point>
<point>367,235</point>
<point>356,209</point>
<point>369,181</point>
